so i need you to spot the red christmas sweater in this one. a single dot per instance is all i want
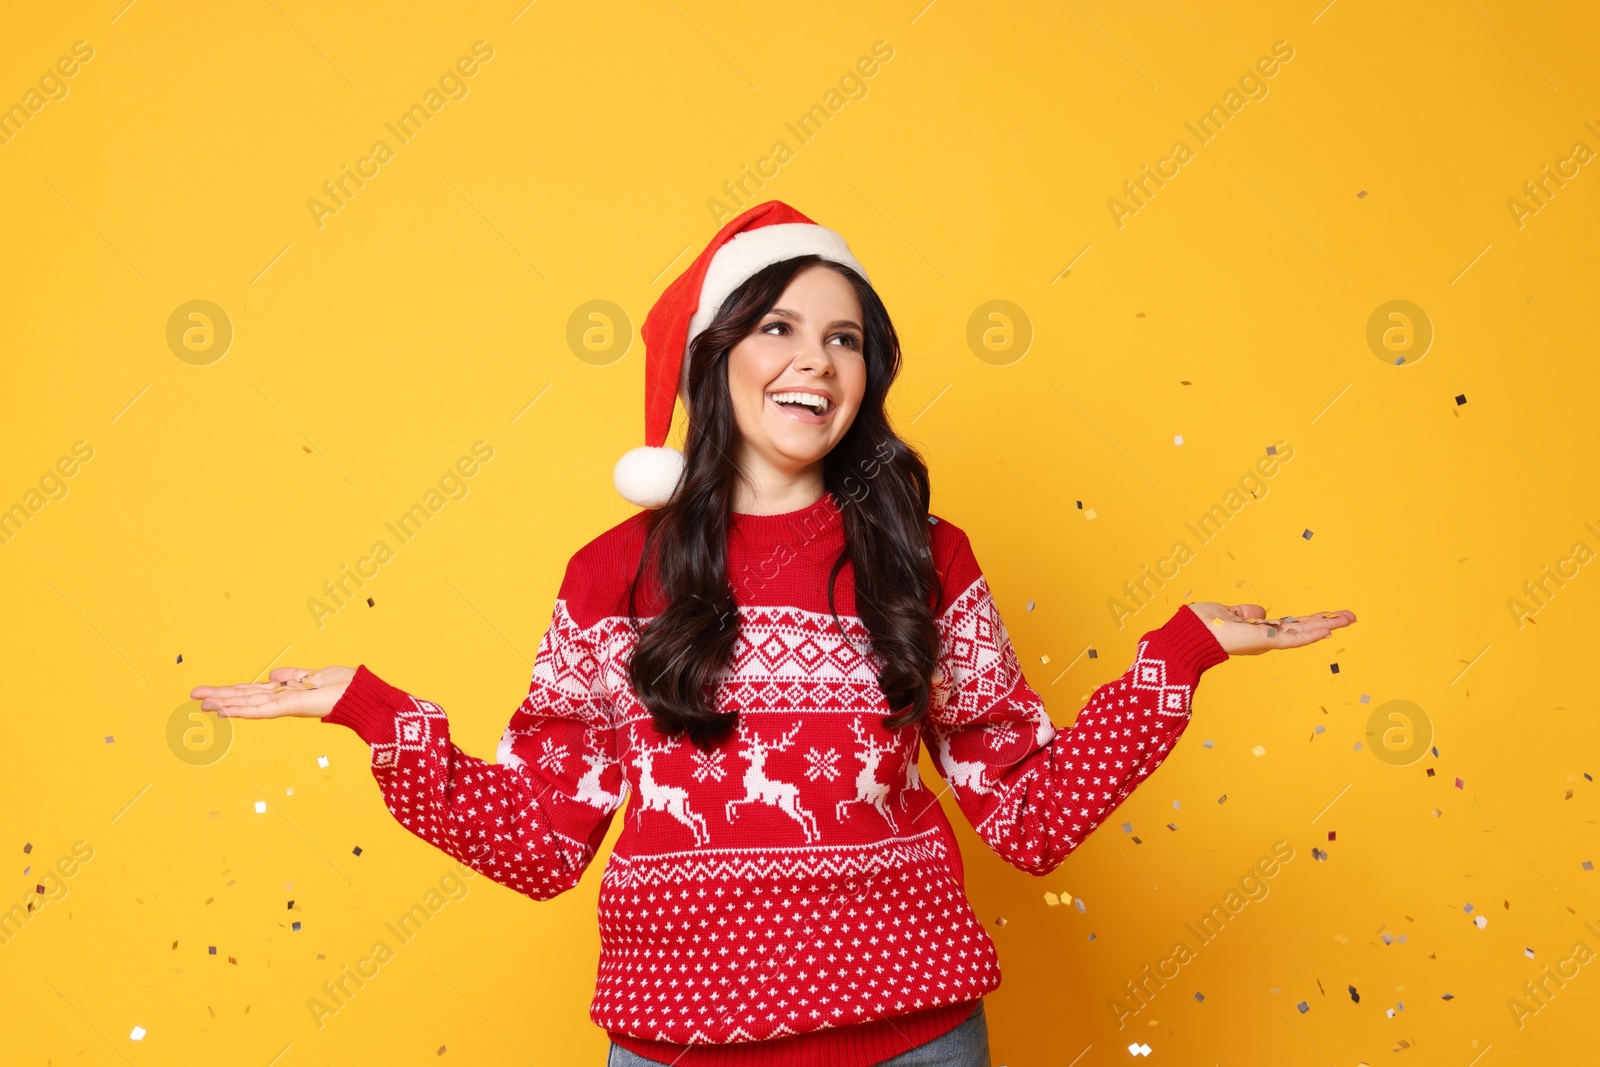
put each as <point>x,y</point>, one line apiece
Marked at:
<point>795,895</point>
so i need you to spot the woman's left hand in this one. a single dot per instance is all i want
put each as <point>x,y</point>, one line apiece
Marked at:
<point>1245,630</point>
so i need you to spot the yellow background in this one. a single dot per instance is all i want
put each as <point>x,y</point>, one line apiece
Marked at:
<point>370,353</point>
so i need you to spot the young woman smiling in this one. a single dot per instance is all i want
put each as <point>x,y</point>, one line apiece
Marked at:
<point>757,659</point>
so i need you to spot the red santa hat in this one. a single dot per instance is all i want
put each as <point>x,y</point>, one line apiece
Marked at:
<point>765,234</point>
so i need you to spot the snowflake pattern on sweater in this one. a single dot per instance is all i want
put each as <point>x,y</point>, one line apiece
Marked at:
<point>799,876</point>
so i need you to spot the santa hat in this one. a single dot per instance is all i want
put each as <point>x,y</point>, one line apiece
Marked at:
<point>765,234</point>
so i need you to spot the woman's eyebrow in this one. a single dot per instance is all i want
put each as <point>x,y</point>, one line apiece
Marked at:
<point>795,316</point>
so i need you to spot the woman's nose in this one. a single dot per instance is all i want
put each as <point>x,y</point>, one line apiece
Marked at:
<point>815,356</point>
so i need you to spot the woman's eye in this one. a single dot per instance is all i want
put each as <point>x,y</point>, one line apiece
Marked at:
<point>850,339</point>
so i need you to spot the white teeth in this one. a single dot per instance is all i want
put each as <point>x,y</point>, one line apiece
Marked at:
<point>818,404</point>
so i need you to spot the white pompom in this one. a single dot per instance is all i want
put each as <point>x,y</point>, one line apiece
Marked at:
<point>647,476</point>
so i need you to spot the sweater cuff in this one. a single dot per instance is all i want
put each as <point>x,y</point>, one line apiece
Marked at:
<point>369,706</point>
<point>1190,641</point>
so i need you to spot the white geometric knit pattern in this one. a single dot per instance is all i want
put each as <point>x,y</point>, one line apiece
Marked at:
<point>717,864</point>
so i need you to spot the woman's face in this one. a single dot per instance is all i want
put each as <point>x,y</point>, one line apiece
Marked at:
<point>811,342</point>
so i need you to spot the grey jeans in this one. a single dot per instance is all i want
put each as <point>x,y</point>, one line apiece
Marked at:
<point>965,1046</point>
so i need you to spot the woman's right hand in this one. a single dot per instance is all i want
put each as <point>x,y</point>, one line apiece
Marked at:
<point>290,691</point>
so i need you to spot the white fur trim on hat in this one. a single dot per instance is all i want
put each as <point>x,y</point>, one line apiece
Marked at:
<point>748,252</point>
<point>646,476</point>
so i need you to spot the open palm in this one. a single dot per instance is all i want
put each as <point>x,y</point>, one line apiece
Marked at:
<point>290,691</point>
<point>1245,630</point>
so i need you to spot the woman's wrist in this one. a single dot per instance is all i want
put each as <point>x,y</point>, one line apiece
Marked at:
<point>369,706</point>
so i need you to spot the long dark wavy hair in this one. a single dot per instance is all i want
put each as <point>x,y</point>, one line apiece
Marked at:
<point>880,483</point>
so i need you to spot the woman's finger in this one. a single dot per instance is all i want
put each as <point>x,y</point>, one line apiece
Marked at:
<point>262,705</point>
<point>212,697</point>
<point>1256,634</point>
<point>1296,631</point>
<point>246,711</point>
<point>1331,620</point>
<point>1298,638</point>
<point>225,691</point>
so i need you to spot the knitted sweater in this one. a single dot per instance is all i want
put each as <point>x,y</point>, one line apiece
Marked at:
<point>795,895</point>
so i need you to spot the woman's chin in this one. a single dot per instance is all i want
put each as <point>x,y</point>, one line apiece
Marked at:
<point>798,455</point>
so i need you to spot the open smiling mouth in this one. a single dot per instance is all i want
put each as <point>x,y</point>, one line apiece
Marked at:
<point>807,407</point>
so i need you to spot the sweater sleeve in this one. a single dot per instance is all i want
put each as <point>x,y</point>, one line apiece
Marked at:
<point>1032,791</point>
<point>533,819</point>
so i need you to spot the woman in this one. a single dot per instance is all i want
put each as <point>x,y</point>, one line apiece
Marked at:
<point>757,658</point>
